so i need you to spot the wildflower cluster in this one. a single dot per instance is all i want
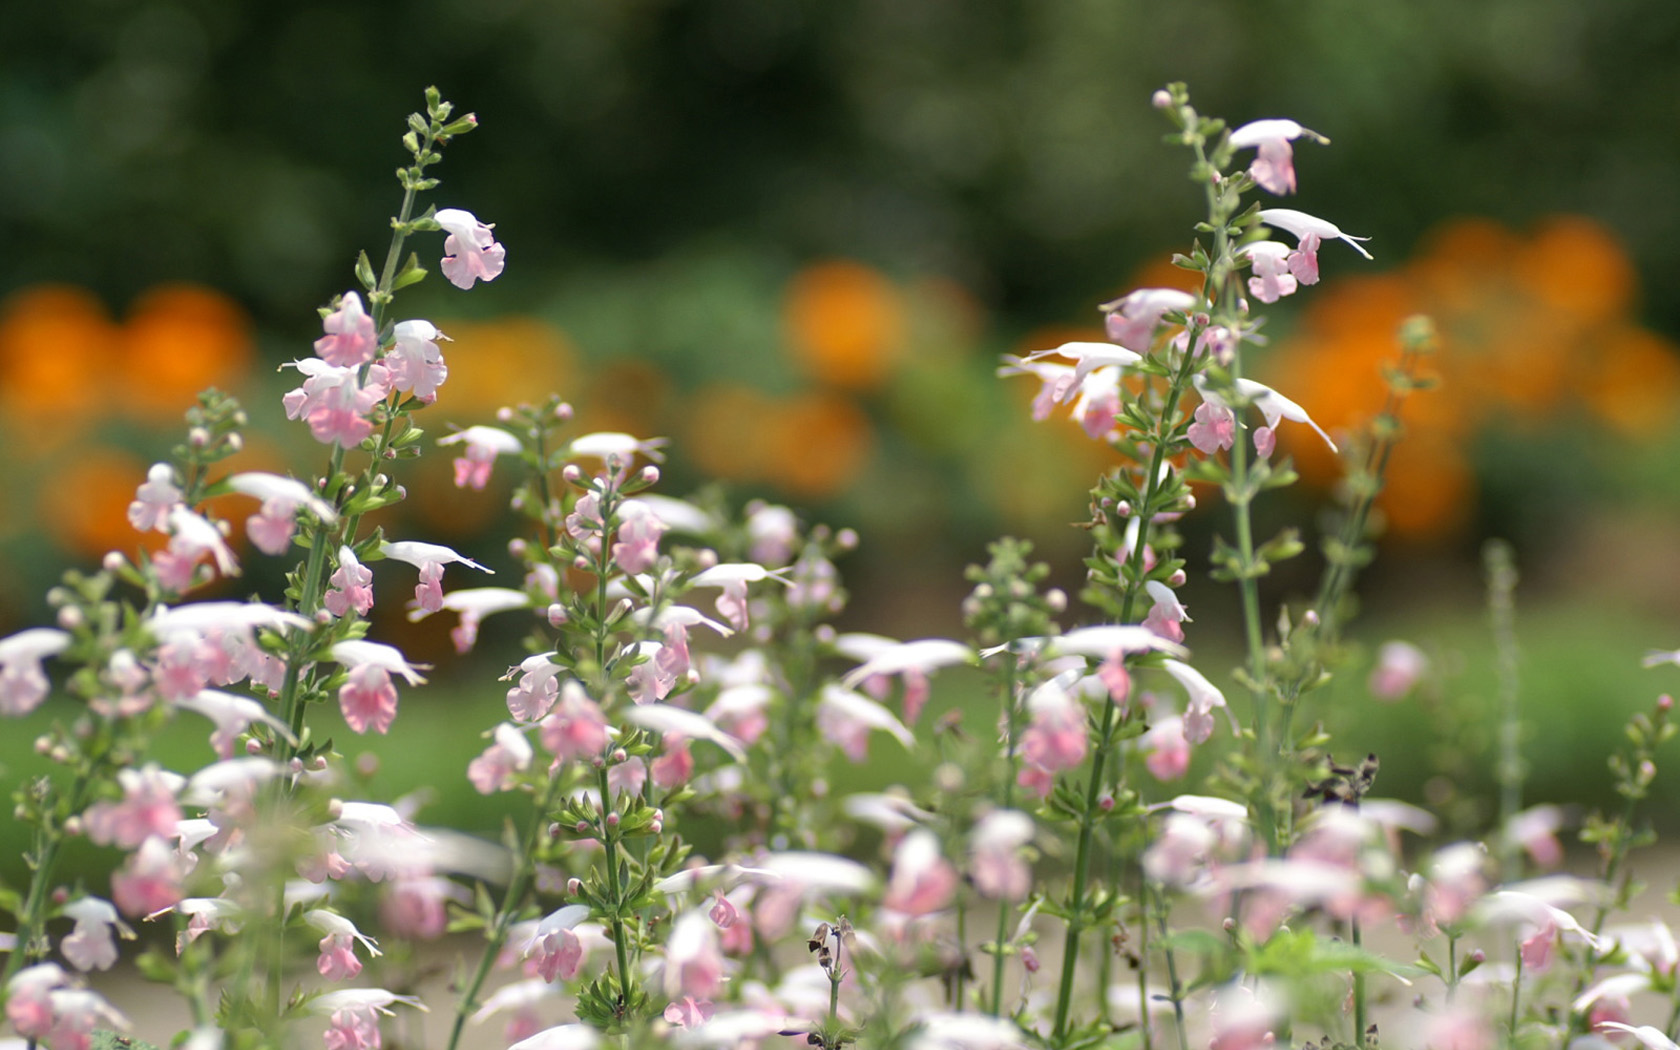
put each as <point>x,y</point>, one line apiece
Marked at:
<point>681,682</point>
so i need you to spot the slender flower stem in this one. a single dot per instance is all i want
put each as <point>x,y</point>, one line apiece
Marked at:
<point>609,833</point>
<point>1500,565</point>
<point>1107,725</point>
<point>1359,1005</point>
<point>1010,680</point>
<point>524,871</point>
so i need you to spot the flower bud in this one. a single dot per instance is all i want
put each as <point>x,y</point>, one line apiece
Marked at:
<point>846,539</point>
<point>367,763</point>
<point>554,831</point>
<point>581,563</point>
<point>572,474</point>
<point>43,744</point>
<point>1665,703</point>
<point>1162,99</point>
<point>70,618</point>
<point>113,561</point>
<point>563,411</point>
<point>1310,618</point>
<point>1056,598</point>
<point>73,825</point>
<point>1177,578</point>
<point>1106,802</point>
<point>1190,503</point>
<point>335,808</point>
<point>504,414</point>
<point>657,826</point>
<point>556,614</point>
<point>59,753</point>
<point>574,887</point>
<point>1123,509</point>
<point>235,442</point>
<point>198,437</point>
<point>612,819</point>
<point>581,827</point>
<point>296,766</point>
<point>619,755</point>
<point>650,475</point>
<point>253,747</point>
<point>61,895</point>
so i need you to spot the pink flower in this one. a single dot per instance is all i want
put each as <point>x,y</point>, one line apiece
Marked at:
<point>338,960</point>
<point>693,961</point>
<point>1133,318</point>
<point>1215,428</point>
<point>675,767</point>
<point>271,528</point>
<point>1180,852</point>
<point>470,252</point>
<point>1055,740</point>
<point>154,499</point>
<point>1399,667</point>
<point>1167,612</point>
<point>1166,749</point>
<point>723,912</point>
<point>23,683</point>
<point>1204,697</point>
<point>538,687</point>
<point>1455,883</point>
<point>350,341</point>
<point>1272,278</point>
<point>1535,830</point>
<point>191,537</point>
<point>415,363</point>
<point>1309,230</point>
<point>637,546</point>
<point>29,998</point>
<point>147,808</point>
<point>352,586</point>
<point>847,717</point>
<point>335,402</point>
<point>1274,162</point>
<point>772,530</point>
<point>689,1012</point>
<point>576,728</point>
<point>493,770</point>
<point>484,444</point>
<point>413,906</point>
<point>76,1014</point>
<point>368,698</point>
<point>732,578</point>
<point>558,951</point>
<point>150,880</point>
<point>997,867</point>
<point>474,604</point>
<point>429,558</point>
<point>91,945</point>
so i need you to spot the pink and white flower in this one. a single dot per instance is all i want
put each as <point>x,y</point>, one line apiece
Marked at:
<point>350,339</point>
<point>1274,162</point>
<point>1133,318</point>
<point>351,586</point>
<point>92,944</point>
<point>484,444</point>
<point>429,558</point>
<point>271,527</point>
<point>509,753</point>
<point>996,864</point>
<point>415,362</point>
<point>154,499</point>
<point>23,682</point>
<point>470,252</point>
<point>337,403</point>
<point>337,961</point>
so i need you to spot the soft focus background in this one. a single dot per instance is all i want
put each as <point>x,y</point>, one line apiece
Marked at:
<point>794,236</point>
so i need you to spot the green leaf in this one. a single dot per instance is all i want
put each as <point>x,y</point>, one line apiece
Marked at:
<point>364,272</point>
<point>411,273</point>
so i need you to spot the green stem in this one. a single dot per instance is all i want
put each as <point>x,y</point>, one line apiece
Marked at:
<point>1500,565</point>
<point>609,835</point>
<point>1010,673</point>
<point>1358,991</point>
<point>511,903</point>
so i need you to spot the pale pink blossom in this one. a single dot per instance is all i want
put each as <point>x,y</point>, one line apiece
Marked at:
<point>1166,613</point>
<point>1055,740</point>
<point>1269,261</point>
<point>484,444</point>
<point>191,538</point>
<point>494,770</point>
<point>429,558</point>
<point>1456,881</point>
<point>1166,749</point>
<point>154,499</point>
<point>732,578</point>
<point>1274,161</point>
<point>637,545</point>
<point>616,450</point>
<point>694,963</point>
<point>470,252</point>
<point>1459,1028</point>
<point>353,1015</point>
<point>723,912</point>
<point>23,682</point>
<point>147,808</point>
<point>29,998</point>
<point>414,361</point>
<point>1215,428</point>
<point>689,1012</point>
<point>368,699</point>
<point>232,715</point>
<point>76,1014</point>
<point>554,948</point>
<point>337,403</point>
<point>351,586</point>
<point>337,961</point>
<point>772,531</point>
<point>1310,231</point>
<point>1399,667</point>
<point>474,604</point>
<point>1649,1036</point>
<point>271,527</point>
<point>350,340</point>
<point>675,767</point>
<point>413,906</point>
<point>996,864</point>
<point>149,881</point>
<point>575,728</point>
<point>1204,697</point>
<point>1535,831</point>
<point>1132,319</point>
<point>922,881</point>
<point>846,717</point>
<point>92,944</point>
<point>1087,358</point>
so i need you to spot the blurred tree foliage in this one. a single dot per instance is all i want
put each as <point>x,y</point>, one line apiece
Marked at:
<point>1004,143</point>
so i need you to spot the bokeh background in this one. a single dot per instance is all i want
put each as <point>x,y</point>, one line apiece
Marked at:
<point>795,235</point>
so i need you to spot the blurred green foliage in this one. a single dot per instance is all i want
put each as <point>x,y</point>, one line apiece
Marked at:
<point>1005,143</point>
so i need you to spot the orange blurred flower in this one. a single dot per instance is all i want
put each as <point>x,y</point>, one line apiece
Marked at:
<point>1531,329</point>
<point>845,323</point>
<point>57,348</point>
<point>179,339</point>
<point>503,362</point>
